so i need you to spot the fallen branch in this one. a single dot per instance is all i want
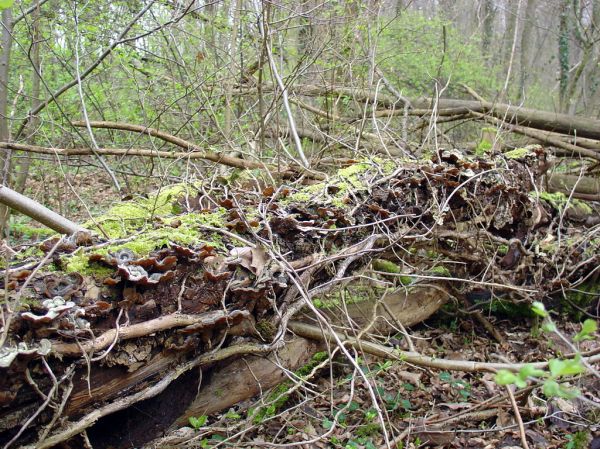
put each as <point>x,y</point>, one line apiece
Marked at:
<point>37,211</point>
<point>214,157</point>
<point>105,151</point>
<point>146,328</point>
<point>316,333</point>
<point>532,118</point>
<point>538,135</point>
<point>200,152</point>
<point>122,403</point>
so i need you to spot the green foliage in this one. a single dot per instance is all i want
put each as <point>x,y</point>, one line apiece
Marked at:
<point>21,228</point>
<point>580,298</point>
<point>412,49</point>
<point>483,147</point>
<point>5,4</point>
<point>578,440</point>
<point>198,422</point>
<point>279,395</point>
<point>463,388</point>
<point>558,371</point>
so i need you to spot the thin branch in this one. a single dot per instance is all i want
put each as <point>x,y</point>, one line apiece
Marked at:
<point>214,157</point>
<point>28,11</point>
<point>54,96</point>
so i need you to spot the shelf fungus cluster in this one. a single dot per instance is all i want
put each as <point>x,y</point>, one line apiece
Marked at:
<point>192,277</point>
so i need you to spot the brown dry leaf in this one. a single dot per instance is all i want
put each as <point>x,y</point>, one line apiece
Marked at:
<point>504,419</point>
<point>253,259</point>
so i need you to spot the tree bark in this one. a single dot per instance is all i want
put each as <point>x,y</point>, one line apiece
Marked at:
<point>6,44</point>
<point>37,211</point>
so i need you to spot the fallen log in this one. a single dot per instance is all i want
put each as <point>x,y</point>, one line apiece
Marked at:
<point>532,118</point>
<point>192,279</point>
<point>526,120</point>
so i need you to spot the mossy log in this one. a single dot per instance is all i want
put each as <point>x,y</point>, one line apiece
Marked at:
<point>195,277</point>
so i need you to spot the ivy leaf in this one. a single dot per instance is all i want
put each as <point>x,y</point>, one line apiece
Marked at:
<point>5,4</point>
<point>587,329</point>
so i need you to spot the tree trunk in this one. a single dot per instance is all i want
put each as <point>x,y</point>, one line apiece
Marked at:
<point>527,44</point>
<point>22,171</point>
<point>563,56</point>
<point>6,45</point>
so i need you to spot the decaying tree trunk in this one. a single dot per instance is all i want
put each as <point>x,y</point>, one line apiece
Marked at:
<point>185,309</point>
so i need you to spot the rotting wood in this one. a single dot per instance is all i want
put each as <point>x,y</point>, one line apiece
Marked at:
<point>254,251</point>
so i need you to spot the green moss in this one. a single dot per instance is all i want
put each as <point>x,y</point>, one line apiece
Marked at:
<point>122,219</point>
<point>346,180</point>
<point>351,295</point>
<point>266,329</point>
<point>278,396</point>
<point>483,147</point>
<point>558,200</point>
<point>509,309</point>
<point>32,252</point>
<point>519,153</point>
<point>78,262</point>
<point>138,218</point>
<point>386,266</point>
<point>440,270</point>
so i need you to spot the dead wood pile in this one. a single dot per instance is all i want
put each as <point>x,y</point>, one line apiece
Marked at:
<point>85,350</point>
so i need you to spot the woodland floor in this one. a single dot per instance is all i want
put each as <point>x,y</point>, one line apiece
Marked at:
<point>422,407</point>
<point>455,407</point>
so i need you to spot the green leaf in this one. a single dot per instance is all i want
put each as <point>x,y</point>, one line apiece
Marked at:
<point>587,329</point>
<point>549,327</point>
<point>327,424</point>
<point>539,309</point>
<point>530,371</point>
<point>197,422</point>
<point>551,388</point>
<point>520,383</point>
<point>232,415</point>
<point>565,367</point>
<point>445,376</point>
<point>505,377</point>
<point>406,405</point>
<point>568,393</point>
<point>5,4</point>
